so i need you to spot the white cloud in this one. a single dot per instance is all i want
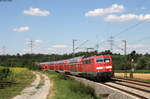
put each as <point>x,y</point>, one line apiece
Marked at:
<point>115,8</point>
<point>22,29</point>
<point>127,17</point>
<point>38,41</point>
<point>36,12</point>
<point>108,14</point>
<point>59,46</point>
<point>143,8</point>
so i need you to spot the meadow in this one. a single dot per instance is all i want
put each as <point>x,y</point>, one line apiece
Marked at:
<point>67,88</point>
<point>18,79</point>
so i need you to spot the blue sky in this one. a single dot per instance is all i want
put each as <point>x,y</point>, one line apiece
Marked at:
<point>52,24</point>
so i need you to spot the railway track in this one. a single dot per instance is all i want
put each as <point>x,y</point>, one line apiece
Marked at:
<point>126,91</point>
<point>135,88</point>
<point>133,81</point>
<point>130,88</point>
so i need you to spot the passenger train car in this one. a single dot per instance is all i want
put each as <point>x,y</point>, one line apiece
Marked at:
<point>94,67</point>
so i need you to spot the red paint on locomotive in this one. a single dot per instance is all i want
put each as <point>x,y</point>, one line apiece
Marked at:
<point>94,66</point>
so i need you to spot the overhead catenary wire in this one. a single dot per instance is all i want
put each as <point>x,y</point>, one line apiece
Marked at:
<point>112,37</point>
<point>129,28</point>
<point>139,40</point>
<point>81,44</point>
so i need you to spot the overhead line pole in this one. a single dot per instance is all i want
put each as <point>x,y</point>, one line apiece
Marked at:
<point>3,50</point>
<point>73,45</point>
<point>111,43</point>
<point>125,47</point>
<point>125,53</point>
<point>31,46</point>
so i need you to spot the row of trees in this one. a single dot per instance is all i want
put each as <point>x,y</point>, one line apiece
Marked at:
<point>132,60</point>
<point>121,62</point>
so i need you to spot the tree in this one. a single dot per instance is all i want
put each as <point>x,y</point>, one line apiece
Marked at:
<point>142,62</point>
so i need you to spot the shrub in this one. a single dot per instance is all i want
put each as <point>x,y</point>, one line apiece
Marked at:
<point>5,73</point>
<point>78,87</point>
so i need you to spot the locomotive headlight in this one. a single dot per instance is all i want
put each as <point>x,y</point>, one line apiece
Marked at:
<point>99,67</point>
<point>106,67</point>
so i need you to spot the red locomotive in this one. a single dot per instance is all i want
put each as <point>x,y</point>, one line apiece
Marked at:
<point>94,67</point>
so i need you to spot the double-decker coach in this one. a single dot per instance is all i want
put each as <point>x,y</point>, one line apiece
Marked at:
<point>94,67</point>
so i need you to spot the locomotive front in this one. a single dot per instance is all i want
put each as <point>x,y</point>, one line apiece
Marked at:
<point>103,67</point>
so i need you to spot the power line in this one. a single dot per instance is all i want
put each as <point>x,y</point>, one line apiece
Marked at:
<point>118,47</point>
<point>111,39</point>
<point>81,44</point>
<point>142,39</point>
<point>130,27</point>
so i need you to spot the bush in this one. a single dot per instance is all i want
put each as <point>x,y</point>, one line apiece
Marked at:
<point>5,73</point>
<point>78,87</point>
<point>143,63</point>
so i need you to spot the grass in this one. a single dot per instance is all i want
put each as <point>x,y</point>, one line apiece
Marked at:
<point>67,88</point>
<point>20,78</point>
<point>147,80</point>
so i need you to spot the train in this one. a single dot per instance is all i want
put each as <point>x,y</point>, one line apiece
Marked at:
<point>93,67</point>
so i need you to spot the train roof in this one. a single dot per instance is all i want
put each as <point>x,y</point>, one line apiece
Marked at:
<point>72,60</point>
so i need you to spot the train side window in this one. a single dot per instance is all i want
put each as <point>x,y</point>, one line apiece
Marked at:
<point>87,62</point>
<point>99,59</point>
<point>90,61</point>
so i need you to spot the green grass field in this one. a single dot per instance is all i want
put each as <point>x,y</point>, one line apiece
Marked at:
<point>20,78</point>
<point>67,88</point>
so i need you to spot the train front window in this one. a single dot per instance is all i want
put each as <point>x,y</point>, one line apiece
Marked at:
<point>106,59</point>
<point>99,59</point>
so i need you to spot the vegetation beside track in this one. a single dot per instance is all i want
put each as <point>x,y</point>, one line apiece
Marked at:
<point>15,82</point>
<point>136,71</point>
<point>147,80</point>
<point>67,88</point>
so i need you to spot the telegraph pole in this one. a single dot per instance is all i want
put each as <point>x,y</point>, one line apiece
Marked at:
<point>97,47</point>
<point>125,53</point>
<point>73,44</point>
<point>125,47</point>
<point>111,43</point>
<point>3,50</point>
<point>31,45</point>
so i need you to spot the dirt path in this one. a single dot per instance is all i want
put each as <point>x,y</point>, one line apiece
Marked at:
<point>36,93</point>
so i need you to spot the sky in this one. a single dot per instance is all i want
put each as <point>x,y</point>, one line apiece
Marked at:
<point>53,24</point>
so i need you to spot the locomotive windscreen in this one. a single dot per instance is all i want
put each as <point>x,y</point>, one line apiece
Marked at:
<point>101,59</point>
